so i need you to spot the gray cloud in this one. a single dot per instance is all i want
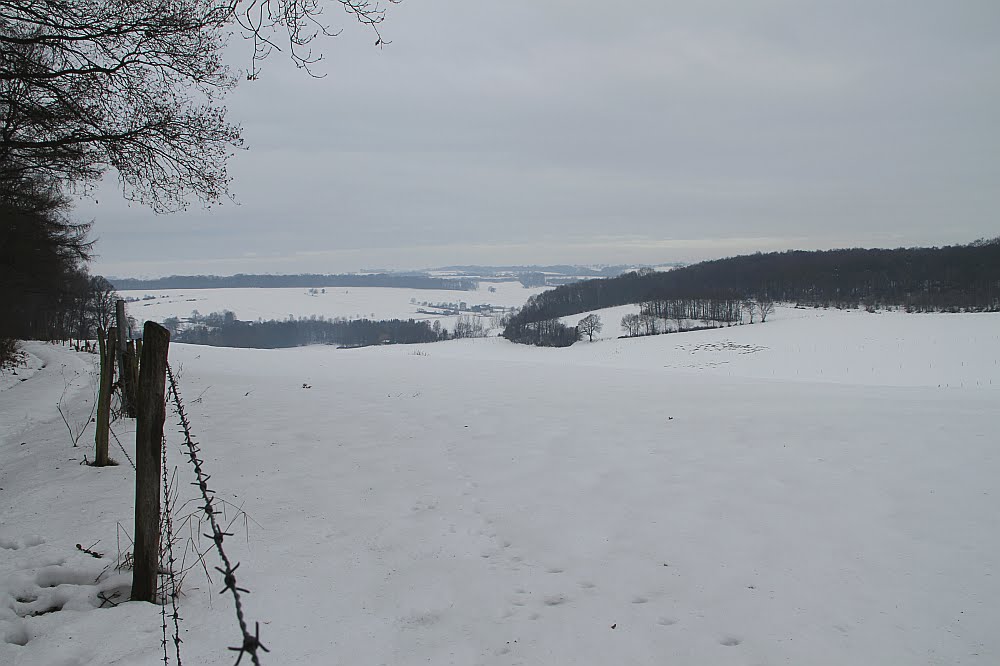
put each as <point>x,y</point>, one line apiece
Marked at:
<point>574,131</point>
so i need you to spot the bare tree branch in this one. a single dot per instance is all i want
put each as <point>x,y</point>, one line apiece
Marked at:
<point>136,85</point>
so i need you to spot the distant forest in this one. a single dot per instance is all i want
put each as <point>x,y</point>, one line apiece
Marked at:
<point>564,270</point>
<point>398,280</point>
<point>222,329</point>
<point>952,279</point>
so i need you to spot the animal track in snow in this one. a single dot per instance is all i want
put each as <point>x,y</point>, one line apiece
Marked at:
<point>724,345</point>
<point>27,542</point>
<point>56,576</point>
<point>730,641</point>
<point>17,635</point>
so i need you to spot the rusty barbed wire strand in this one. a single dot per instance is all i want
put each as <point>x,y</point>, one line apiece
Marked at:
<point>163,622</point>
<point>251,642</point>
<point>170,582</point>
<point>120,446</point>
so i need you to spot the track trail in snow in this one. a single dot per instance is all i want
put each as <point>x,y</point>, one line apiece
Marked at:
<point>60,376</point>
<point>541,590</point>
<point>48,584</point>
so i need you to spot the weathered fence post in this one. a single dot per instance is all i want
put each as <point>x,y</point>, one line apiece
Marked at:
<point>132,364</point>
<point>104,396</point>
<point>148,441</point>
<point>124,366</point>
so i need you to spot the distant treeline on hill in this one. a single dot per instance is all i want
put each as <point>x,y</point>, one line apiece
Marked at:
<point>563,270</point>
<point>224,330</point>
<point>954,278</point>
<point>398,280</point>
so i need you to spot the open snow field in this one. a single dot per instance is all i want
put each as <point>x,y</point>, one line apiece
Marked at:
<point>348,302</point>
<point>820,489</point>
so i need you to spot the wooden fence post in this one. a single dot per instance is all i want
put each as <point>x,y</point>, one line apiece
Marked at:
<point>148,462</point>
<point>132,363</point>
<point>124,370</point>
<point>104,396</point>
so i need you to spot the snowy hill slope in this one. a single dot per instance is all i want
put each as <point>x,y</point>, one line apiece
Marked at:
<point>684,499</point>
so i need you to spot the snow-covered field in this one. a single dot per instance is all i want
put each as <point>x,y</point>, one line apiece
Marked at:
<point>820,489</point>
<point>347,302</point>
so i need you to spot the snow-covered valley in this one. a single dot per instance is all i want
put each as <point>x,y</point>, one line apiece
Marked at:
<point>819,489</point>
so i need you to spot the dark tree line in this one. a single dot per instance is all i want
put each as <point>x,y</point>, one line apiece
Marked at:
<point>42,254</point>
<point>400,281</point>
<point>227,331</point>
<point>44,285</point>
<point>558,270</point>
<point>961,277</point>
<point>542,333</point>
<point>721,310</point>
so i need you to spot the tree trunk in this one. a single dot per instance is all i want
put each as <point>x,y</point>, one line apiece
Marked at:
<point>148,461</point>
<point>104,396</point>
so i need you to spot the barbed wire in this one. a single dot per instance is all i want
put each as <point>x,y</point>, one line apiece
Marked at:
<point>163,623</point>
<point>170,580</point>
<point>251,642</point>
<point>122,447</point>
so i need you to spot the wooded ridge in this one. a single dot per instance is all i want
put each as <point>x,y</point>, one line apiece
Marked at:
<point>952,278</point>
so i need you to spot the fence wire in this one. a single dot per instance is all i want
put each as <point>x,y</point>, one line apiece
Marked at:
<point>168,562</point>
<point>251,643</point>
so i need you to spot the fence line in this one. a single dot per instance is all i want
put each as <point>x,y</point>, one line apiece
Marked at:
<point>250,642</point>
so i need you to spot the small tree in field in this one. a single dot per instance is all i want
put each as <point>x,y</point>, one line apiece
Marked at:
<point>765,306</point>
<point>590,324</point>
<point>631,323</point>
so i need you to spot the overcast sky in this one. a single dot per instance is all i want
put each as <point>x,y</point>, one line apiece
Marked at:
<point>591,132</point>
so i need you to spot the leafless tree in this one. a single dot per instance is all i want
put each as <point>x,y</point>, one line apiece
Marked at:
<point>469,327</point>
<point>136,85</point>
<point>101,304</point>
<point>750,307</point>
<point>590,325</point>
<point>648,324</point>
<point>631,323</point>
<point>765,306</point>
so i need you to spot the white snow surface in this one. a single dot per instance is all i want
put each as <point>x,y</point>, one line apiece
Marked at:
<point>819,489</point>
<point>10,377</point>
<point>346,302</point>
